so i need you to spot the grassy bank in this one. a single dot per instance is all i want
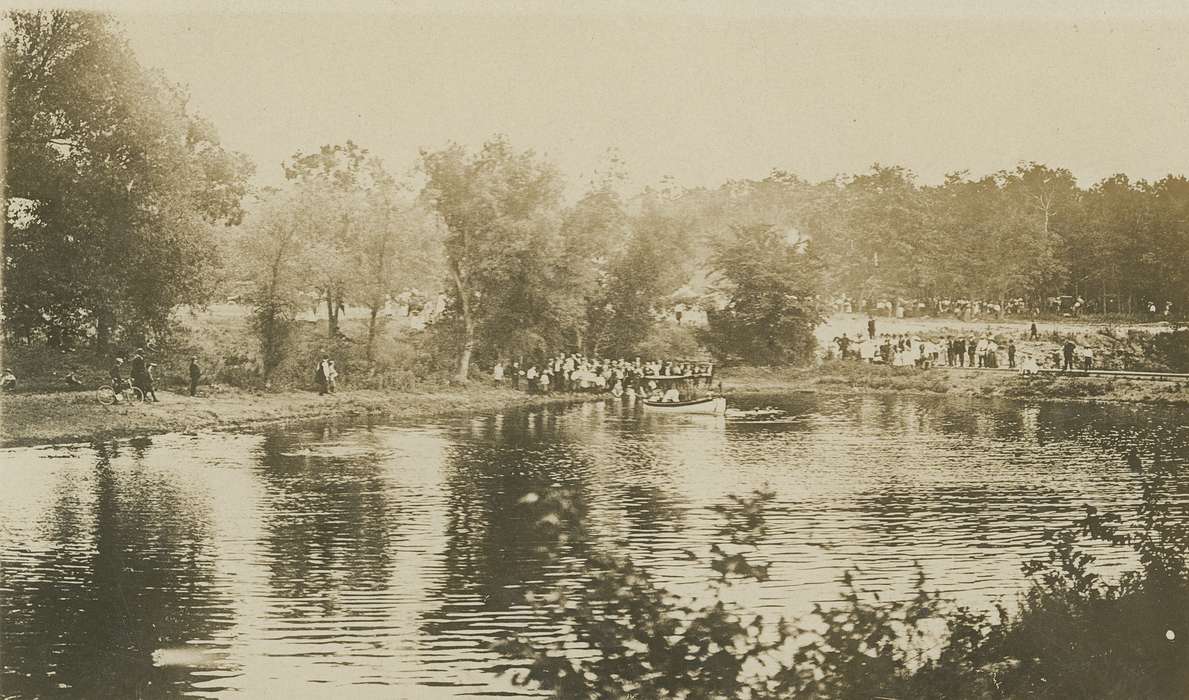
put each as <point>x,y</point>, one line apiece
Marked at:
<point>854,377</point>
<point>38,418</point>
<point>29,419</point>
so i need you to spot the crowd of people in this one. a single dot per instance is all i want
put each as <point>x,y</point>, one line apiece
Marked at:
<point>960,308</point>
<point>576,372</point>
<point>976,351</point>
<point>973,308</point>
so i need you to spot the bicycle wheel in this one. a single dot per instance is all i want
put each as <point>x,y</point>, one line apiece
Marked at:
<point>135,395</point>
<point>106,395</point>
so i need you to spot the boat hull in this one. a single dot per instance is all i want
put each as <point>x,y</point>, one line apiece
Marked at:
<point>708,406</point>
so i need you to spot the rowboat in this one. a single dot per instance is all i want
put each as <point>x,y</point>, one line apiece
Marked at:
<point>710,405</point>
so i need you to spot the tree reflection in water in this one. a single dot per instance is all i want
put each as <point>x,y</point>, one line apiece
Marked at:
<point>331,523</point>
<point>132,579</point>
<point>497,546</point>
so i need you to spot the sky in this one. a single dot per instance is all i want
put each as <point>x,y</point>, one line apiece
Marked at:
<point>701,92</point>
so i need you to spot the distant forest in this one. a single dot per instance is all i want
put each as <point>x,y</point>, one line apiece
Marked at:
<point>122,205</point>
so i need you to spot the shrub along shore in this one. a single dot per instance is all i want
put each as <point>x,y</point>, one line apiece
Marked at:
<point>42,418</point>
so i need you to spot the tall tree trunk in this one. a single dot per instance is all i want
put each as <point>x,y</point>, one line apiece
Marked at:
<point>332,316</point>
<point>371,333</point>
<point>468,323</point>
<point>104,323</point>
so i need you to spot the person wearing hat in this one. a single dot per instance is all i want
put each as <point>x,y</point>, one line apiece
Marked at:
<point>117,381</point>
<point>137,368</point>
<point>195,373</point>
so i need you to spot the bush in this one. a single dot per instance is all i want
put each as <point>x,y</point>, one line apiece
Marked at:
<point>1075,634</point>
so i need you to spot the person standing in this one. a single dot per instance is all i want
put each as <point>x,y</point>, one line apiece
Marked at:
<point>195,373</point>
<point>971,349</point>
<point>147,387</point>
<point>1011,354</point>
<point>321,374</point>
<point>332,376</point>
<point>138,371</point>
<point>1067,350</point>
<point>871,328</point>
<point>117,381</point>
<point>1087,359</point>
<point>1032,332</point>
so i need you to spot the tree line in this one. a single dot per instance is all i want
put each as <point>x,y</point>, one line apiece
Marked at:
<point>122,206</point>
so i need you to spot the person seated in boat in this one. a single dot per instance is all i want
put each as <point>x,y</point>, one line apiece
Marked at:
<point>617,390</point>
<point>671,396</point>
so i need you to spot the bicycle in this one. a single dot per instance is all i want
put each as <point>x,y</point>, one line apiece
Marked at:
<point>107,394</point>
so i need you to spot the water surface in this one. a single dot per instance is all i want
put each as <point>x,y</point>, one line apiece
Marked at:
<point>346,559</point>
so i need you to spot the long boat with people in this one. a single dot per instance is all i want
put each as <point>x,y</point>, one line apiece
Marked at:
<point>682,394</point>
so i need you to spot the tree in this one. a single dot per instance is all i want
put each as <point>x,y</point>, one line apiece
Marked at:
<point>502,244</point>
<point>330,187</point>
<point>870,231</point>
<point>1171,237</point>
<point>397,248</point>
<point>274,258</point>
<point>595,232</point>
<point>771,286</point>
<point>118,185</point>
<point>653,264</point>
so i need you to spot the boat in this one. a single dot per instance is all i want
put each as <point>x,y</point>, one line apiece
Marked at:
<point>710,405</point>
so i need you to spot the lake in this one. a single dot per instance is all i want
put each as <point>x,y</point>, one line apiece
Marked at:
<point>352,559</point>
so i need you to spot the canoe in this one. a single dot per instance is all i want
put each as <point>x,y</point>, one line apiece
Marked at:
<point>713,405</point>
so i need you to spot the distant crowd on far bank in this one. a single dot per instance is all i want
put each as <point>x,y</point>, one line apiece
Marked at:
<point>980,351</point>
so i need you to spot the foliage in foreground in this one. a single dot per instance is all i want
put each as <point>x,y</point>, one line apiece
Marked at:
<point>1075,634</point>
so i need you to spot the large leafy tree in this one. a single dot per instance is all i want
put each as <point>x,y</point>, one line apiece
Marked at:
<point>396,248</point>
<point>870,230</point>
<point>505,256</point>
<point>771,286</point>
<point>330,187</point>
<point>341,230</point>
<point>113,187</point>
<point>274,260</point>
<point>654,263</point>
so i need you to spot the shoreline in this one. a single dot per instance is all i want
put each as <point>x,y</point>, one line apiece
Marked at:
<point>63,417</point>
<point>848,378</point>
<point>30,420</point>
